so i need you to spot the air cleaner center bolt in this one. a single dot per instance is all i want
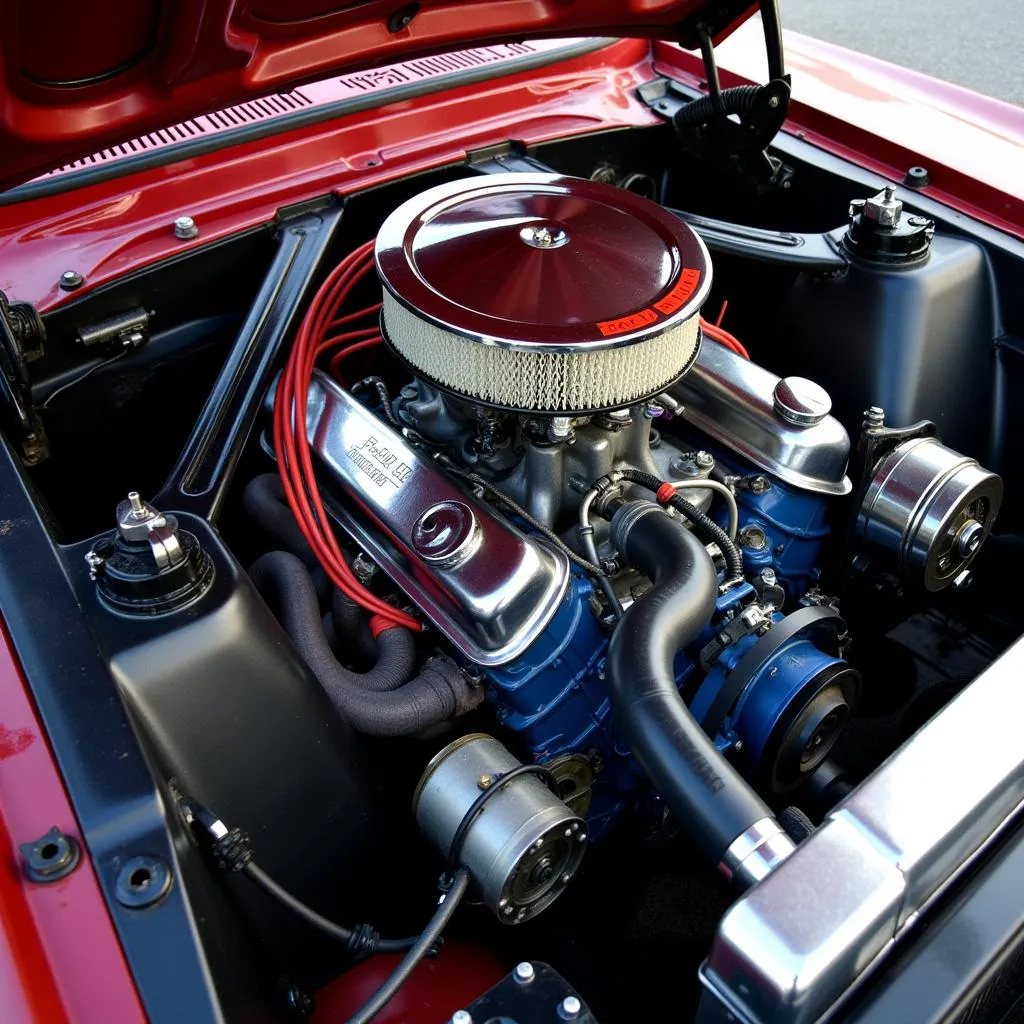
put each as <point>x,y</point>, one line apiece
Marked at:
<point>544,236</point>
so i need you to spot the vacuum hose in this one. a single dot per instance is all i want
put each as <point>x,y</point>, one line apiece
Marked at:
<point>725,817</point>
<point>383,701</point>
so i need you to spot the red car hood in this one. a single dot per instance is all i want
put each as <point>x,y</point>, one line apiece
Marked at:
<point>75,77</point>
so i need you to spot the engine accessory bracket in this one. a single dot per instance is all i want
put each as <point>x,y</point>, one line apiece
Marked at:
<point>821,618</point>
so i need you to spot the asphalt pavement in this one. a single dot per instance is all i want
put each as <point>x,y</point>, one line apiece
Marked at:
<point>975,43</point>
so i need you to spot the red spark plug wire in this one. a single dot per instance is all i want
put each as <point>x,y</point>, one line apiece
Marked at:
<point>316,336</point>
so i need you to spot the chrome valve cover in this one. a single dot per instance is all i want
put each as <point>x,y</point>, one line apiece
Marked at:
<point>488,587</point>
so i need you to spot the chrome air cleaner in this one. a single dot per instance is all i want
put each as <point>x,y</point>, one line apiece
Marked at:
<point>541,293</point>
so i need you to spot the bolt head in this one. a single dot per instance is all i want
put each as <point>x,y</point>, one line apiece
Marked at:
<point>968,539</point>
<point>570,1008</point>
<point>185,228</point>
<point>753,538</point>
<point>461,1017</point>
<point>684,465</point>
<point>524,972</point>
<point>704,459</point>
<point>70,280</point>
<point>135,518</point>
<point>544,236</point>
<point>884,208</point>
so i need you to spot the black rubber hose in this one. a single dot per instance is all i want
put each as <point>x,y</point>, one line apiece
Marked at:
<point>230,850</point>
<point>264,502</point>
<point>360,941</point>
<point>369,701</point>
<point>444,913</point>
<point>737,100</point>
<point>702,789</point>
<point>352,628</point>
<point>707,529</point>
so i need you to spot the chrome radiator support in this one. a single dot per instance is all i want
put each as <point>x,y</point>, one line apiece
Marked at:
<point>794,946</point>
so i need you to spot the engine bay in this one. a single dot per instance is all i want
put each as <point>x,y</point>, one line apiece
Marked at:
<point>582,556</point>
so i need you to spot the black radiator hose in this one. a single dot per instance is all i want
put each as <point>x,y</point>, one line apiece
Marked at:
<point>724,816</point>
<point>383,701</point>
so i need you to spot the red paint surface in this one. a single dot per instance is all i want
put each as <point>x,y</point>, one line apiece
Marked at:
<point>14,741</point>
<point>60,959</point>
<point>115,227</point>
<point>371,83</point>
<point>436,989</point>
<point>76,77</point>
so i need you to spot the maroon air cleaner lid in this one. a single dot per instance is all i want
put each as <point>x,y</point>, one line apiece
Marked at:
<point>542,293</point>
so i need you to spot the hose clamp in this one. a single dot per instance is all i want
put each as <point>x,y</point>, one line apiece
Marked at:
<point>756,852</point>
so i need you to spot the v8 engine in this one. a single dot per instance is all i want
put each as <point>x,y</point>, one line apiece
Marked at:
<point>632,536</point>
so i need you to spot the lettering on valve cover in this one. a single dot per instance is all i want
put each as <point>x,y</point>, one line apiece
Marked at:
<point>379,463</point>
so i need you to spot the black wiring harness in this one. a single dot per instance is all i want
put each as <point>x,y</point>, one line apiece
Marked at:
<point>231,851</point>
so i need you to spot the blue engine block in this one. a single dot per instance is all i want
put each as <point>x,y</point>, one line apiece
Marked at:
<point>793,524</point>
<point>554,697</point>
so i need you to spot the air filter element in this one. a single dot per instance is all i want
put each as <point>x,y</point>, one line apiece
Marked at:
<point>540,293</point>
